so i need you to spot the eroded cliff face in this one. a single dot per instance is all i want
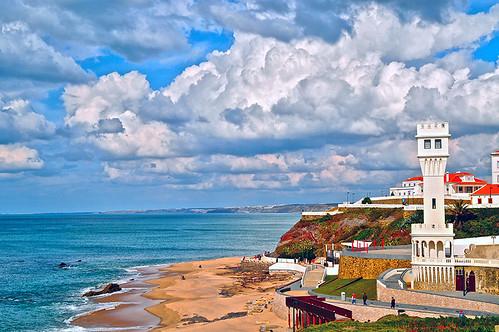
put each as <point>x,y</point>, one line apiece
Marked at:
<point>309,235</point>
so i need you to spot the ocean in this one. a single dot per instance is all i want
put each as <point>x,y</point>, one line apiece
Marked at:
<point>37,295</point>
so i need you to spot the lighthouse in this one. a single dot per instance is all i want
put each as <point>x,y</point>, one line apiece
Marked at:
<point>433,240</point>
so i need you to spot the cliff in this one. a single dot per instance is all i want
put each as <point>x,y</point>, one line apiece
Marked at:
<point>309,235</point>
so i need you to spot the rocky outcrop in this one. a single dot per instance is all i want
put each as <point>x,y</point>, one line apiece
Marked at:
<point>308,236</point>
<point>108,289</point>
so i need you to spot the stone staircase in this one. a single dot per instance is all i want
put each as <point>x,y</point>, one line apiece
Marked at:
<point>312,276</point>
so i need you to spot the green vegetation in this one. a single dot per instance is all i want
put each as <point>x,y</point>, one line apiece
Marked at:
<point>459,213</point>
<point>305,249</point>
<point>479,222</point>
<point>404,323</point>
<point>349,286</point>
<point>367,200</point>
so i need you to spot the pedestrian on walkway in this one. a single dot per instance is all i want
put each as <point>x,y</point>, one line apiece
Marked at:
<point>364,298</point>
<point>392,303</point>
<point>354,298</point>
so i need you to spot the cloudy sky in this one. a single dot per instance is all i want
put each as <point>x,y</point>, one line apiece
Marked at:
<point>138,104</point>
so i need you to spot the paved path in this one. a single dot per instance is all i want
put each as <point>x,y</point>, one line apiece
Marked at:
<point>312,278</point>
<point>412,307</point>
<point>386,305</point>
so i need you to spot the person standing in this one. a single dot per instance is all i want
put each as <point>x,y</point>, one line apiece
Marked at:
<point>364,298</point>
<point>392,303</point>
<point>354,298</point>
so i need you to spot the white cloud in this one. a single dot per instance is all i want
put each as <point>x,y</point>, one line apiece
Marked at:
<point>26,56</point>
<point>264,97</point>
<point>19,123</point>
<point>18,158</point>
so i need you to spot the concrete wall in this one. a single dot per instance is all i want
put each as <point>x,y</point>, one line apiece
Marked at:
<point>368,268</point>
<point>419,298</point>
<point>490,251</point>
<point>279,306</point>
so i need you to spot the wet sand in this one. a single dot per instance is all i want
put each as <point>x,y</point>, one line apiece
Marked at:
<point>219,296</point>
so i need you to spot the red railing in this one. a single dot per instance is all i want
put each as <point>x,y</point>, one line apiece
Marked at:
<point>312,310</point>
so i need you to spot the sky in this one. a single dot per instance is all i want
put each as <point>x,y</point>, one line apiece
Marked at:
<point>140,104</point>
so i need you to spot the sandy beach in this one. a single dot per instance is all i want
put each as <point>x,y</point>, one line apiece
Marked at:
<point>213,295</point>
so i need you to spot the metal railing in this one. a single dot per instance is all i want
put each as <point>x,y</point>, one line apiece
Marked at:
<point>458,261</point>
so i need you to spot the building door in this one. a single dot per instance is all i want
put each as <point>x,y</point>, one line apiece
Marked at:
<point>460,278</point>
<point>470,282</point>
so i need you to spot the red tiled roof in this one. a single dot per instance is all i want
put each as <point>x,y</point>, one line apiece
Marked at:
<point>414,178</point>
<point>453,178</point>
<point>456,178</point>
<point>495,152</point>
<point>489,189</point>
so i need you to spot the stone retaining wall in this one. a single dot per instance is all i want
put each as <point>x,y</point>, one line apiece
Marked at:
<point>412,297</point>
<point>486,279</point>
<point>368,268</point>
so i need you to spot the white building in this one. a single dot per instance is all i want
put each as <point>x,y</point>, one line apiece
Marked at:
<point>487,196</point>
<point>495,167</point>
<point>433,240</point>
<point>457,185</point>
<point>411,187</point>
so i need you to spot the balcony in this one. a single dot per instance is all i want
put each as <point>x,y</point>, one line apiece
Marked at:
<point>432,229</point>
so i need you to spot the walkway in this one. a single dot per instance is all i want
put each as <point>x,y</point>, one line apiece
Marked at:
<point>313,277</point>
<point>411,307</point>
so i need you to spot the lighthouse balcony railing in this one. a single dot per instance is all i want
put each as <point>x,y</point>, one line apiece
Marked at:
<point>433,261</point>
<point>432,229</point>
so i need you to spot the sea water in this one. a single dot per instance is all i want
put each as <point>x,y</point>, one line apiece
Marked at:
<point>37,295</point>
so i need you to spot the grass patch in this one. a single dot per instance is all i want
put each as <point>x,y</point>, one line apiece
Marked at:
<point>329,278</point>
<point>349,286</point>
<point>404,323</point>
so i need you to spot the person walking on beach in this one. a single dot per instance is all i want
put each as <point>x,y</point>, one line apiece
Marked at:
<point>364,298</point>
<point>354,298</point>
<point>392,304</point>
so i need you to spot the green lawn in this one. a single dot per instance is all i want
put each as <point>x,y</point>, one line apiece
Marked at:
<point>335,286</point>
<point>405,323</point>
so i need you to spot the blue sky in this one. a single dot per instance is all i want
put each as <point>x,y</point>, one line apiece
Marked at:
<point>158,104</point>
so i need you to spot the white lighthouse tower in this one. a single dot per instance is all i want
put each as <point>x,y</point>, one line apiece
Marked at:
<point>433,241</point>
<point>495,167</point>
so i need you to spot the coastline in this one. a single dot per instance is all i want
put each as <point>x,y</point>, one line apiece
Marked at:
<point>209,295</point>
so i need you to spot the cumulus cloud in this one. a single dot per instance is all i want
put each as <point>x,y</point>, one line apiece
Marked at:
<point>25,56</point>
<point>18,158</point>
<point>331,19</point>
<point>138,30</point>
<point>19,123</point>
<point>265,97</point>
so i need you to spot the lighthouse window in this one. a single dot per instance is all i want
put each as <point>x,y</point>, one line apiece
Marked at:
<point>427,144</point>
<point>433,203</point>
<point>438,144</point>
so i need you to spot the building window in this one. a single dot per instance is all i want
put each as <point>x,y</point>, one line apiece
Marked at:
<point>490,200</point>
<point>479,201</point>
<point>438,144</point>
<point>427,144</point>
<point>433,203</point>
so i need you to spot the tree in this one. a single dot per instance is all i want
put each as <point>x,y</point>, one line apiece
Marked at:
<point>460,213</point>
<point>367,200</point>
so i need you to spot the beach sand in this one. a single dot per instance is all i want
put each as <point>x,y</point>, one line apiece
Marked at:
<point>218,296</point>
